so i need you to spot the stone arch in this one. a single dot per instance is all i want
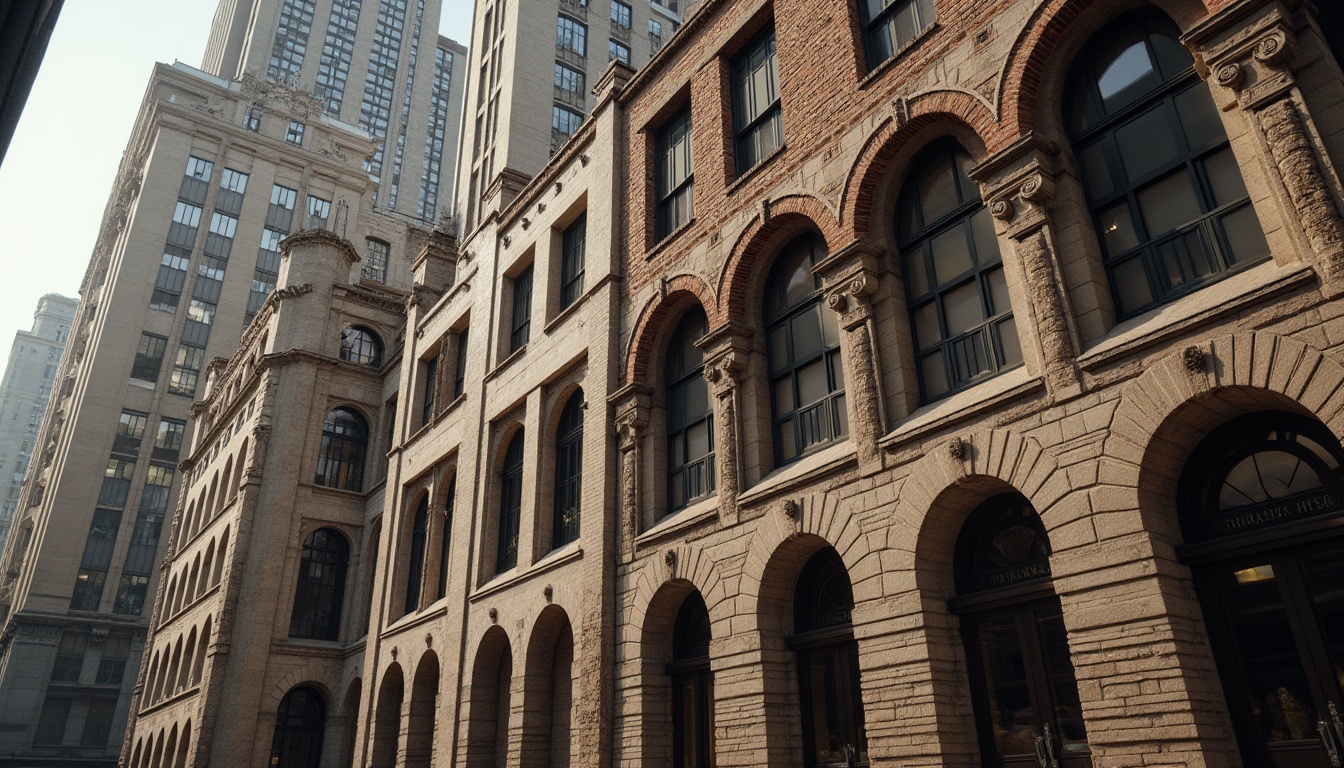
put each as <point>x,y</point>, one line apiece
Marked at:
<point>749,260</point>
<point>343,726</point>
<point>198,668</point>
<point>695,570</point>
<point>212,502</point>
<point>240,470</point>
<point>420,717</point>
<point>183,746</point>
<point>655,322</point>
<point>548,691</point>
<point>193,589</point>
<point>152,677</point>
<point>895,142</point>
<point>223,556</point>
<point>387,718</point>
<point>136,752</point>
<point>174,665</point>
<point>229,489</point>
<point>188,660</point>
<point>169,596</point>
<point>157,759</point>
<point>169,748</point>
<point>309,674</point>
<point>487,703</point>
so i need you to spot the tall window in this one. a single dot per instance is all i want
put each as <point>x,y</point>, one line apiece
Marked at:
<point>828,665</point>
<point>375,260</point>
<point>521,319</point>
<point>299,728</point>
<point>168,441</point>
<point>1165,191</point>
<point>568,472</point>
<point>568,80</point>
<point>573,245</point>
<point>361,345</point>
<point>1017,652</point>
<point>415,576</point>
<point>460,366</point>
<point>340,461</point>
<point>564,122</point>
<point>88,592</point>
<point>149,358</point>
<point>954,279</point>
<point>510,504</point>
<point>690,415</point>
<point>70,656</point>
<point>692,687</point>
<point>130,431</point>
<point>758,123</point>
<point>620,15</point>
<point>807,380</point>
<point>446,535</point>
<point>430,386</point>
<point>571,35</point>
<point>321,587</point>
<point>674,184</point>
<point>890,25</point>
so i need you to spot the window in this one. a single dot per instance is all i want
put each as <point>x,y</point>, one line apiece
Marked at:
<point>572,261</point>
<point>690,415</point>
<point>828,664</point>
<point>280,213</point>
<point>692,687</point>
<point>98,723</point>
<point>510,504</point>
<point>172,276</point>
<point>187,367</point>
<point>321,586</point>
<point>1165,191</point>
<point>219,240</point>
<point>415,569</point>
<point>116,482</point>
<point>564,122</point>
<point>807,381</point>
<point>362,346</point>
<point>431,388</point>
<point>294,134</point>
<point>954,279</point>
<point>98,547</point>
<point>112,666</point>
<point>252,117</point>
<point>460,369</point>
<point>375,260</point>
<point>674,184</point>
<point>890,25</point>
<point>571,35</point>
<point>568,79</point>
<point>130,430</point>
<point>340,461</point>
<point>299,729</point>
<point>521,319</point>
<point>568,472</point>
<point>446,535</point>
<point>195,181</point>
<point>130,599</point>
<point>758,122</point>
<point>168,441</point>
<point>620,15</point>
<point>232,185</point>
<point>319,212</point>
<point>149,358</point>
<point>51,723</point>
<point>655,36</point>
<point>618,52</point>
<point>70,656</point>
<point>186,221</point>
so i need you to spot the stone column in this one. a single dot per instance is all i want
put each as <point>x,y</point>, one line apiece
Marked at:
<point>632,406</point>
<point>1251,52</point>
<point>726,352</point>
<point>850,276</point>
<point>1018,184</point>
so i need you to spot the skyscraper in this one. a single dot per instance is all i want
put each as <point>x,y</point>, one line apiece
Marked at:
<point>217,171</point>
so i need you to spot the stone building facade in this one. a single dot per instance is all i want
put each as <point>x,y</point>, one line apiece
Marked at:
<point>945,383</point>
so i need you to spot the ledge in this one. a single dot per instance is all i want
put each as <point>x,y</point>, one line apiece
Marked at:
<point>963,406</point>
<point>1250,287</point>
<point>437,609</point>
<point>809,467</point>
<point>552,560</point>
<point>667,240</point>
<point>686,517</point>
<point>505,363</point>
<point>754,170</point>
<point>574,306</point>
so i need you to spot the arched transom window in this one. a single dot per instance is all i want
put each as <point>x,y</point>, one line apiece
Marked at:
<point>361,345</point>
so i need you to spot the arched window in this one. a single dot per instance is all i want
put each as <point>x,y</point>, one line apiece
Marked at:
<point>828,664</point>
<point>1260,508</point>
<point>415,575</point>
<point>1164,188</point>
<point>298,730</point>
<point>446,535</point>
<point>690,415</point>
<point>340,461</point>
<point>321,587</point>
<point>692,687</point>
<point>954,281</point>
<point>361,345</point>
<point>510,504</point>
<point>1017,653</point>
<point>568,472</point>
<point>807,382</point>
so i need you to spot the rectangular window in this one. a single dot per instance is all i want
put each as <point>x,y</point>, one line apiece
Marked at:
<point>564,122</point>
<point>168,441</point>
<point>674,183</point>
<point>375,261</point>
<point>521,320</point>
<point>186,221</point>
<point>620,15</point>
<point>232,185</point>
<point>186,370</point>
<point>572,261</point>
<point>460,369</point>
<point>280,214</point>
<point>568,79</point>
<point>130,600</point>
<point>116,483</point>
<point>149,358</point>
<point>618,52</point>
<point>70,657</point>
<point>758,122</point>
<point>319,211</point>
<point>88,589</point>
<point>98,724</point>
<point>130,430</point>
<point>172,276</point>
<point>431,385</point>
<point>252,117</point>
<point>51,723</point>
<point>890,26</point>
<point>571,35</point>
<point>97,557</point>
<point>219,240</point>
<point>196,180</point>
<point>112,666</point>
<point>294,134</point>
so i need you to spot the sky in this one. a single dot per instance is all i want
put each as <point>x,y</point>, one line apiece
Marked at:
<point>56,176</point>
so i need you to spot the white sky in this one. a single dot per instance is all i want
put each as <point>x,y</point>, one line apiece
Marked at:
<point>56,176</point>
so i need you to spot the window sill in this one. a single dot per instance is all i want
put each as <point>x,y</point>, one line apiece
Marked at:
<point>804,470</point>
<point>1236,292</point>
<point>938,415</point>
<point>428,426</point>
<point>677,522</point>
<point>434,610</point>
<point>876,73</point>
<point>508,361</point>
<point>754,170</point>
<point>666,241</point>
<point>571,310</point>
<point>566,554</point>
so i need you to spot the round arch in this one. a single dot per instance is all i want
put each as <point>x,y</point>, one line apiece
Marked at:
<point>658,317</point>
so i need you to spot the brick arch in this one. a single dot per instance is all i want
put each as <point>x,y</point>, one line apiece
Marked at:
<point>789,216</point>
<point>308,674</point>
<point>690,565</point>
<point>964,115</point>
<point>653,320</point>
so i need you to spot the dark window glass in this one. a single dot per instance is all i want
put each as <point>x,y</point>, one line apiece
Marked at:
<point>431,388</point>
<point>620,14</point>
<point>573,244</point>
<point>112,666</point>
<point>521,319</point>
<point>890,25</point>
<point>130,430</point>
<point>70,657</point>
<point>345,440</point>
<point>692,687</point>
<point>1165,191</point>
<point>321,586</point>
<point>149,358</point>
<point>955,285</point>
<point>299,728</point>
<point>88,589</point>
<point>168,441</point>
<point>828,665</point>
<point>460,369</point>
<point>807,381</point>
<point>51,723</point>
<point>375,259</point>
<point>571,35</point>
<point>415,575</point>
<point>690,415</point>
<point>361,345</point>
<point>446,536</point>
<point>130,599</point>
<point>568,472</point>
<point>758,123</point>
<point>618,52</point>
<point>98,722</point>
<point>510,504</point>
<point>674,183</point>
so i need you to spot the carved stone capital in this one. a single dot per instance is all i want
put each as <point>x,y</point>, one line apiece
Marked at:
<point>1248,51</point>
<point>851,298</point>
<point>723,372</point>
